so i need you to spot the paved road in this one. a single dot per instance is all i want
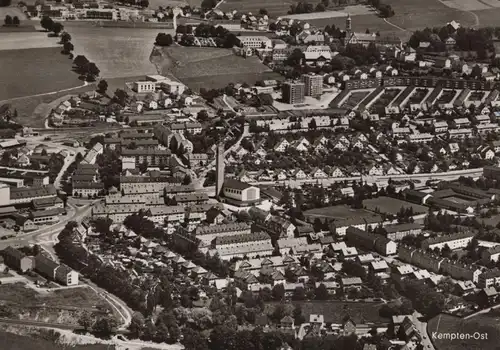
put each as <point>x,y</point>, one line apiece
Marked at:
<point>49,233</point>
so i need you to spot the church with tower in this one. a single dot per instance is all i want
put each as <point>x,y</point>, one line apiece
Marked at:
<point>352,37</point>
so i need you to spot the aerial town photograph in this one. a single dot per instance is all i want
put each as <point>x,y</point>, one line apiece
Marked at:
<point>249,174</point>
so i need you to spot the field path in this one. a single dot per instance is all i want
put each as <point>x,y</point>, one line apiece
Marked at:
<point>45,93</point>
<point>394,25</point>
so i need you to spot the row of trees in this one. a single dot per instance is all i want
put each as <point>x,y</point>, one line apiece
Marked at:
<point>50,26</point>
<point>10,21</point>
<point>85,68</point>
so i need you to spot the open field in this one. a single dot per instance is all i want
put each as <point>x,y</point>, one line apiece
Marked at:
<point>484,324</point>
<point>35,71</point>
<point>338,212</point>
<point>335,311</point>
<point>392,205</point>
<point>26,40</point>
<point>209,67</point>
<point>412,15</point>
<point>117,52</point>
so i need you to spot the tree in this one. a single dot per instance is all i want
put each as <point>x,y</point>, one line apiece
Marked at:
<point>105,326</point>
<point>297,315</point>
<point>278,292</point>
<point>92,71</point>
<point>80,63</point>
<point>320,7</point>
<point>85,321</point>
<point>163,39</point>
<point>322,292</point>
<point>65,37</point>
<point>194,340</point>
<point>57,28</point>
<point>47,23</point>
<point>68,47</point>
<point>102,86</point>
<point>121,96</point>
<point>8,20</point>
<point>137,324</point>
<point>5,3</point>
<point>144,3</point>
<point>299,293</point>
<point>202,115</point>
<point>263,12</point>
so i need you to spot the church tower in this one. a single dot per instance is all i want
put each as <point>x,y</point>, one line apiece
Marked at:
<point>348,24</point>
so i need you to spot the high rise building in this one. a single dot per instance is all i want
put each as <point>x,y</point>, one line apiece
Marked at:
<point>293,92</point>
<point>313,84</point>
<point>219,165</point>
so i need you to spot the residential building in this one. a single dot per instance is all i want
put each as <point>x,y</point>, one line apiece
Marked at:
<point>370,241</point>
<point>293,92</point>
<point>454,241</point>
<point>313,84</point>
<point>17,260</point>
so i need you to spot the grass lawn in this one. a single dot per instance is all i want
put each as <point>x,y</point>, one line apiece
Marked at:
<point>222,80</point>
<point>34,71</point>
<point>335,311</point>
<point>338,212</point>
<point>385,99</point>
<point>117,52</point>
<point>392,205</point>
<point>418,96</point>
<point>485,323</point>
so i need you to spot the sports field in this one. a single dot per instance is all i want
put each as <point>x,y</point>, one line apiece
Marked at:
<point>34,71</point>
<point>486,323</point>
<point>392,206</point>
<point>117,52</point>
<point>338,212</point>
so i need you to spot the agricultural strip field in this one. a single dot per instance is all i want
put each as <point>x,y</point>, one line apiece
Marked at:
<point>390,205</point>
<point>336,311</point>
<point>35,71</point>
<point>338,212</point>
<point>26,40</point>
<point>274,7</point>
<point>486,323</point>
<point>117,52</point>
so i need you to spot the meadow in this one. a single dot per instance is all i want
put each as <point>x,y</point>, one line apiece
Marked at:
<point>209,67</point>
<point>23,40</point>
<point>35,71</point>
<point>117,52</point>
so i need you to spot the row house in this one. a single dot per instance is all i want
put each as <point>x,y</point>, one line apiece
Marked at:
<point>371,241</point>
<point>453,241</point>
<point>166,214</point>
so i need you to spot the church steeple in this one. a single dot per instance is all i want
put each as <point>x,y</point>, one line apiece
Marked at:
<point>348,24</point>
